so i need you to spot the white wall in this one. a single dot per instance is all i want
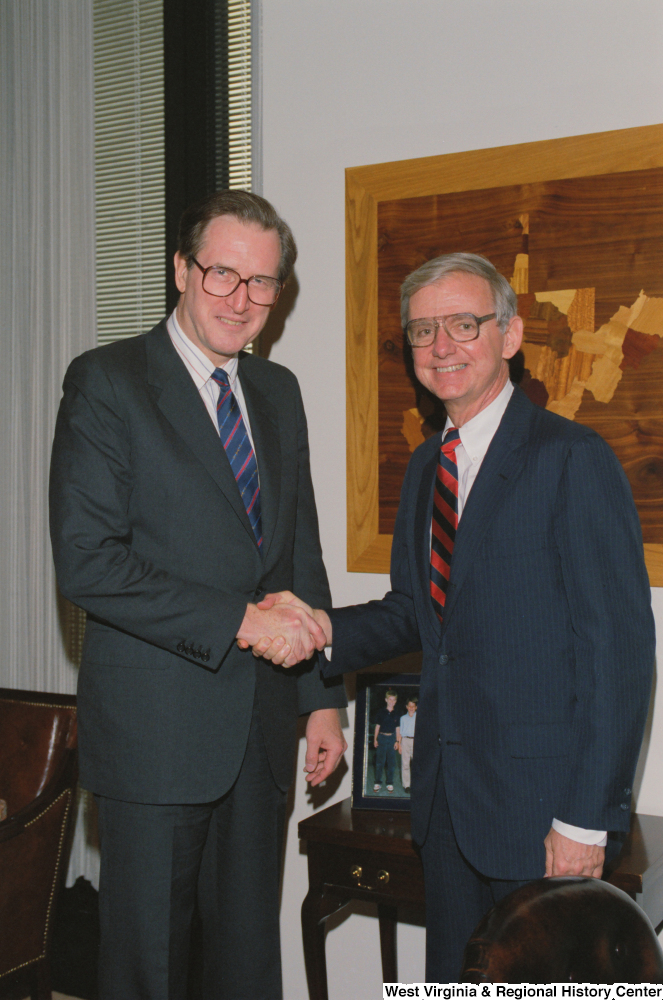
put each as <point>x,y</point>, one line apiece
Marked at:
<point>349,82</point>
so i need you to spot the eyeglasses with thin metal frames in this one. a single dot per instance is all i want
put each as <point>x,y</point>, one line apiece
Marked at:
<point>240,281</point>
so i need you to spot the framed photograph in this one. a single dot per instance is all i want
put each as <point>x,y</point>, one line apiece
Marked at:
<point>385,722</point>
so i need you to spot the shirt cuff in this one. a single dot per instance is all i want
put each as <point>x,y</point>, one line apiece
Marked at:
<point>596,838</point>
<point>327,651</point>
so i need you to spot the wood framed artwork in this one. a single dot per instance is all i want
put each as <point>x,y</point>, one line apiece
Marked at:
<point>576,225</point>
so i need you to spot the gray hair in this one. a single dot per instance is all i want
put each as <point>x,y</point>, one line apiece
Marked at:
<point>504,297</point>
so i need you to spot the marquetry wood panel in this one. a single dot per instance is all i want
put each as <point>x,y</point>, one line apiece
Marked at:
<point>561,225</point>
<point>587,212</point>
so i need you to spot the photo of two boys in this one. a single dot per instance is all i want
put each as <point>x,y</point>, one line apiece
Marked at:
<point>390,738</point>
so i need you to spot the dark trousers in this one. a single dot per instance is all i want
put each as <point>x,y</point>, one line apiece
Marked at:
<point>457,895</point>
<point>385,755</point>
<point>157,862</point>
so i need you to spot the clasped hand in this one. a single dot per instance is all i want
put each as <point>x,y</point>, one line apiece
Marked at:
<point>283,629</point>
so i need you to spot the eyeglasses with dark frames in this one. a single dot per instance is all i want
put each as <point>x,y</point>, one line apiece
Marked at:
<point>460,327</point>
<point>223,281</point>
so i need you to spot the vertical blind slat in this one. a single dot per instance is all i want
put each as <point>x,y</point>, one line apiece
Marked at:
<point>129,166</point>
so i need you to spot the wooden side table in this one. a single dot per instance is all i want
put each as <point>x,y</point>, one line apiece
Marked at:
<point>366,854</point>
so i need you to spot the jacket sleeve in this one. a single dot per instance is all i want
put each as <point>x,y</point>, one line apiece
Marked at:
<point>98,567</point>
<point>598,536</point>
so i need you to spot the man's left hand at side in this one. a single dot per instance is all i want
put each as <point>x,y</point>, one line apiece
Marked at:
<point>568,857</point>
<point>325,744</point>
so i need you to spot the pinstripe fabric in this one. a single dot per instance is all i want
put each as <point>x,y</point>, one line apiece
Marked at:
<point>445,520</point>
<point>239,450</point>
<point>534,688</point>
<point>457,896</point>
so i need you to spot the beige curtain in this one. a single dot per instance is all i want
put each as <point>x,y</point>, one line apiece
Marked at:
<point>47,317</point>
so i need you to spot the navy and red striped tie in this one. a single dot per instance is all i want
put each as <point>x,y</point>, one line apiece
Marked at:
<point>445,520</point>
<point>239,450</point>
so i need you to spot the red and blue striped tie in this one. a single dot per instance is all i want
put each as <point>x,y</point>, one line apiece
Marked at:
<point>445,520</point>
<point>239,450</point>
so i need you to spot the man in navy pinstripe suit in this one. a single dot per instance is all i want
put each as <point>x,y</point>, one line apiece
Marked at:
<point>537,665</point>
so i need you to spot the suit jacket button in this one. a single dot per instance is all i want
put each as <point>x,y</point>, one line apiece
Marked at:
<point>205,656</point>
<point>196,653</point>
<point>627,791</point>
<point>444,659</point>
<point>181,647</point>
<point>623,805</point>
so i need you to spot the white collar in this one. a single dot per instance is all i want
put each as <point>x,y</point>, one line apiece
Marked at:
<point>198,364</point>
<point>477,433</point>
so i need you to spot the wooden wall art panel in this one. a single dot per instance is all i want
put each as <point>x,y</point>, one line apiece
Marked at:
<point>576,225</point>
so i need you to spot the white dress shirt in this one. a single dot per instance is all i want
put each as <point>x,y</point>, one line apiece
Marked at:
<point>475,438</point>
<point>201,369</point>
<point>407,724</point>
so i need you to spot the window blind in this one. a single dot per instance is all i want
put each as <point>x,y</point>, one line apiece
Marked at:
<point>129,166</point>
<point>239,94</point>
<point>130,171</point>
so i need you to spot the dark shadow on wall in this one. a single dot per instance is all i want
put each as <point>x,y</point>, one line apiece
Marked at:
<point>276,323</point>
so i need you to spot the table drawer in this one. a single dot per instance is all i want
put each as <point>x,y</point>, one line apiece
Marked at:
<point>370,871</point>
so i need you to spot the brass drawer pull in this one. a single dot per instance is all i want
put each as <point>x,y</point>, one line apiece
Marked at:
<point>357,871</point>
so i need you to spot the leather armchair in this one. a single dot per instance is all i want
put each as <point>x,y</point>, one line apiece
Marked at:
<point>38,772</point>
<point>564,930</point>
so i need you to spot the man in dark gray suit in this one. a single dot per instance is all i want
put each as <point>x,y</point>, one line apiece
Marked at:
<point>517,567</point>
<point>180,493</point>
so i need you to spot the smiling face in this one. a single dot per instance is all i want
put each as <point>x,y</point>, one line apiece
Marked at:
<point>221,327</point>
<point>391,701</point>
<point>467,377</point>
<point>411,707</point>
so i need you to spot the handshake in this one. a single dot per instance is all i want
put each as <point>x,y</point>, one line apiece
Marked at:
<point>283,629</point>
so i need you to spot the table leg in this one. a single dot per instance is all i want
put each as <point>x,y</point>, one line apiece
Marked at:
<point>387,915</point>
<point>317,906</point>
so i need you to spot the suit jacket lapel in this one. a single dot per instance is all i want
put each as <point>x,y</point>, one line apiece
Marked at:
<point>263,417</point>
<point>179,401</point>
<point>504,459</point>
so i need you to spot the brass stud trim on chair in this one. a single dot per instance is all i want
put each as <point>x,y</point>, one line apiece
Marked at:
<point>38,704</point>
<point>68,793</point>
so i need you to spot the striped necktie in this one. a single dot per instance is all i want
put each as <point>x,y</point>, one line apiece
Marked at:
<point>239,450</point>
<point>445,520</point>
